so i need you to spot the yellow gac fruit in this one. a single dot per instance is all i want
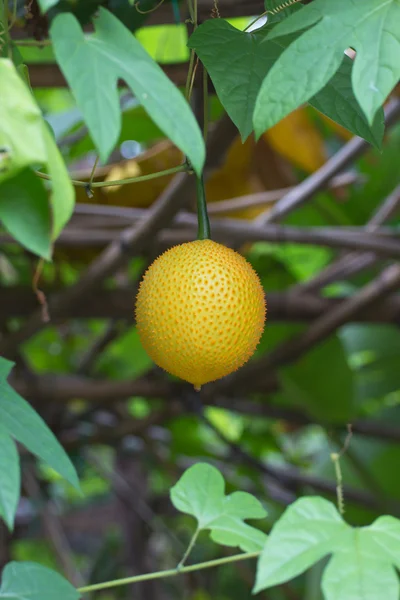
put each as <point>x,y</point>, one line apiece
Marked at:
<point>200,311</point>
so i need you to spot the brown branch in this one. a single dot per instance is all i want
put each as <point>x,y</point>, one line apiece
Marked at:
<point>232,232</point>
<point>118,304</point>
<point>63,388</point>
<point>351,264</point>
<point>318,180</point>
<point>238,232</point>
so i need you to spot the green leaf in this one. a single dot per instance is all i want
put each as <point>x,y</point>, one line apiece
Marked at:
<point>321,382</point>
<point>45,5</point>
<point>21,123</point>
<point>201,492</point>
<point>26,141</point>
<point>357,573</point>
<point>30,581</point>
<point>9,477</point>
<point>309,529</point>
<point>371,27</point>
<point>25,212</point>
<point>92,67</point>
<point>337,101</point>
<point>26,426</point>
<point>238,80</point>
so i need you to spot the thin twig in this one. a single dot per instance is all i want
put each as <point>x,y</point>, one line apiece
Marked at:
<point>128,180</point>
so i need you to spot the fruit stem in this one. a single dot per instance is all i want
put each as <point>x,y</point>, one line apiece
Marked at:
<point>203,231</point>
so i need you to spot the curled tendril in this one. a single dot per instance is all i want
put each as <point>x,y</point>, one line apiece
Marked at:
<point>278,9</point>
<point>145,12</point>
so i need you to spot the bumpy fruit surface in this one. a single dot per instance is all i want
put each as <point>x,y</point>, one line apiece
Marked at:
<point>200,311</point>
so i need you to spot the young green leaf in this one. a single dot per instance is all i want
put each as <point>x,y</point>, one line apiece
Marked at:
<point>309,529</point>
<point>357,573</point>
<point>201,492</point>
<point>30,581</point>
<point>238,81</point>
<point>92,66</point>
<point>10,478</point>
<point>25,212</point>
<point>371,27</point>
<point>25,425</point>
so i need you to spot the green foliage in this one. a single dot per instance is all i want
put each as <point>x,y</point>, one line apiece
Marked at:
<point>27,142</point>
<point>259,77</point>
<point>29,581</point>
<point>10,477</point>
<point>374,352</point>
<point>99,61</point>
<point>25,212</point>
<point>238,83</point>
<point>201,492</point>
<point>322,382</point>
<point>24,424</point>
<point>371,28</point>
<point>362,562</point>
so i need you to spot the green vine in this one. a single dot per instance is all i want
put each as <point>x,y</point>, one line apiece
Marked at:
<point>203,231</point>
<point>168,573</point>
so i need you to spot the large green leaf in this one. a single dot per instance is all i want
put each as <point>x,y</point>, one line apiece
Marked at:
<point>309,529</point>
<point>371,27</point>
<point>26,141</point>
<point>92,65</point>
<point>62,196</point>
<point>135,125</point>
<point>322,382</point>
<point>21,122</point>
<point>25,212</point>
<point>338,102</point>
<point>238,62</point>
<point>30,581</point>
<point>201,492</point>
<point>9,477</point>
<point>362,564</point>
<point>25,425</point>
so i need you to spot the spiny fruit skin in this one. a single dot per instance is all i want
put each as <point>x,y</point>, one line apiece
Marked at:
<point>200,311</point>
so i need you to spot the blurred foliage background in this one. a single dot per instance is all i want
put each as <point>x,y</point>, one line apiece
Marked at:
<point>130,428</point>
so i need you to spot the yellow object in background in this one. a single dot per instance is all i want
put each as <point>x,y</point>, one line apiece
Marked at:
<point>298,140</point>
